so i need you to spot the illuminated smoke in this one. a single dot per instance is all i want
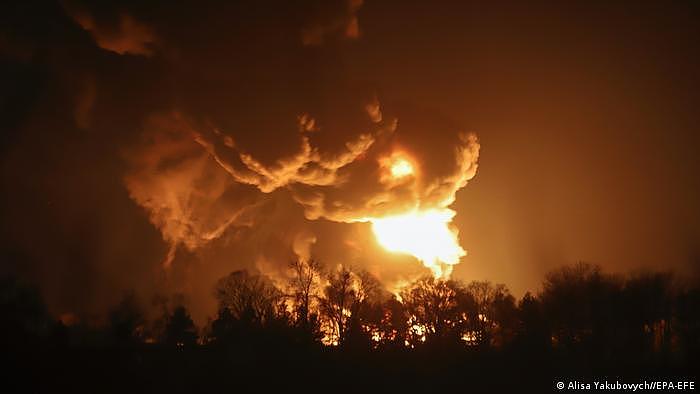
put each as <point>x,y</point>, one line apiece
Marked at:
<point>201,180</point>
<point>183,175</point>
<point>187,195</point>
<point>124,36</point>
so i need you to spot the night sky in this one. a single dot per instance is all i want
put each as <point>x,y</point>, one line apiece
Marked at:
<point>157,146</point>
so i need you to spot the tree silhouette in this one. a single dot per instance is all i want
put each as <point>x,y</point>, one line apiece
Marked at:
<point>394,323</point>
<point>23,315</point>
<point>505,316</point>
<point>646,311</point>
<point>480,312</point>
<point>304,285</point>
<point>125,319</point>
<point>436,310</point>
<point>224,327</point>
<point>581,305</point>
<point>339,296</point>
<point>365,311</point>
<point>248,297</point>
<point>180,329</point>
<point>688,322</point>
<point>583,320</point>
<point>533,333</point>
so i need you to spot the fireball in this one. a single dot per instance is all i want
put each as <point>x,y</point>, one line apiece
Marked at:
<point>401,168</point>
<point>426,235</point>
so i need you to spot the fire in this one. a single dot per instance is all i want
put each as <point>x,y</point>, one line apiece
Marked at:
<point>401,168</point>
<point>424,234</point>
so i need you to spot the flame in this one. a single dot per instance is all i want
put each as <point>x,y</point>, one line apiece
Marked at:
<point>401,168</point>
<point>424,234</point>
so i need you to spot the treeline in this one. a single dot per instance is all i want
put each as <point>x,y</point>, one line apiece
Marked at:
<point>339,330</point>
<point>579,308</point>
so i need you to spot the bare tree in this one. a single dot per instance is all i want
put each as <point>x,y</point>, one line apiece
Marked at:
<point>339,297</point>
<point>368,288</point>
<point>365,311</point>
<point>394,322</point>
<point>304,283</point>
<point>248,297</point>
<point>591,291</point>
<point>435,309</point>
<point>480,312</point>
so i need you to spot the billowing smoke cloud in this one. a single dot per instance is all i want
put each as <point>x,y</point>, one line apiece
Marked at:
<point>121,34</point>
<point>237,147</point>
<point>213,136</point>
<point>209,180</point>
<point>186,178</point>
<point>190,199</point>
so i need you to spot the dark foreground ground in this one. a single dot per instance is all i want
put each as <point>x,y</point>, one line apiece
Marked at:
<point>157,369</point>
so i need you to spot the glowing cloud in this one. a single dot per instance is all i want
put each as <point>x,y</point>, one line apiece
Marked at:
<point>197,182</point>
<point>125,37</point>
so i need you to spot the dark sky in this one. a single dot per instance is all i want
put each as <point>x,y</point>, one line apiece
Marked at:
<point>129,131</point>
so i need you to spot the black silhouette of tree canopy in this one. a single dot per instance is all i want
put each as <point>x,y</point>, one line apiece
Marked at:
<point>647,310</point>
<point>436,310</point>
<point>248,297</point>
<point>339,296</point>
<point>492,313</point>
<point>23,315</point>
<point>582,316</point>
<point>532,332</point>
<point>365,310</point>
<point>579,301</point>
<point>304,285</point>
<point>180,329</point>
<point>393,323</point>
<point>126,319</point>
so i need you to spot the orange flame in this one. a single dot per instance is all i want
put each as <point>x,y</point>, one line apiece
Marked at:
<point>424,234</point>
